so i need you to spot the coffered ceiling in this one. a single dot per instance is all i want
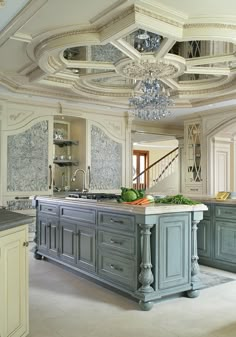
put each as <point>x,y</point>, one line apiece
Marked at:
<point>84,51</point>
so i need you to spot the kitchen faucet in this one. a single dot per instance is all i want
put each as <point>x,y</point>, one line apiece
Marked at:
<point>84,176</point>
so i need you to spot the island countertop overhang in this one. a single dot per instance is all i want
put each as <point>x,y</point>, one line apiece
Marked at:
<point>150,209</point>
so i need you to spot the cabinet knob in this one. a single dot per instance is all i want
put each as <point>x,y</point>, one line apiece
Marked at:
<point>26,243</point>
<point>112,266</point>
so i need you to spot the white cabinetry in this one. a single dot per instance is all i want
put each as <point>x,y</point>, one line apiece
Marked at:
<point>193,183</point>
<point>27,159</point>
<point>14,321</point>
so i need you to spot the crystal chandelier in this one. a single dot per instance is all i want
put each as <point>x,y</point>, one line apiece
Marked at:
<point>153,103</point>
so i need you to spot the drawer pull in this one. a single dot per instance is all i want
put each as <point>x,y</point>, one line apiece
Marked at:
<point>116,242</point>
<point>112,266</point>
<point>26,243</point>
<point>228,212</point>
<point>117,221</point>
<point>49,209</point>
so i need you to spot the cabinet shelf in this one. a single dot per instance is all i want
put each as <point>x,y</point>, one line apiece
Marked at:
<point>66,162</point>
<point>65,142</point>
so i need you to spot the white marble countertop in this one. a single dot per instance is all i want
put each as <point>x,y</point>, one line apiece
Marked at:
<point>149,209</point>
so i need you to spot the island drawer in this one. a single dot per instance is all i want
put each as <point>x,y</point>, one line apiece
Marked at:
<point>225,212</point>
<point>119,270</point>
<point>79,214</point>
<point>48,208</point>
<point>122,243</point>
<point>116,221</point>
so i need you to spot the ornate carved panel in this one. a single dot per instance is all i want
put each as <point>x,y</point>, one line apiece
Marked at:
<point>27,159</point>
<point>106,161</point>
<point>17,116</point>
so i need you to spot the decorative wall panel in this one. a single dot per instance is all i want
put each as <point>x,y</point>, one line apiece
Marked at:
<point>106,161</point>
<point>14,205</point>
<point>27,153</point>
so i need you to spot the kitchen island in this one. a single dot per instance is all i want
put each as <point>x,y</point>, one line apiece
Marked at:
<point>14,309</point>
<point>217,234</point>
<point>147,252</point>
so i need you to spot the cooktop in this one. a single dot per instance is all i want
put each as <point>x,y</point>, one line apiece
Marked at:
<point>93,196</point>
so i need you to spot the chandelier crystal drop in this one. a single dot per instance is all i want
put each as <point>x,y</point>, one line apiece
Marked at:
<point>153,103</point>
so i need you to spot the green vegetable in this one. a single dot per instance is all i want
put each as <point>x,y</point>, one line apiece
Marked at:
<point>176,199</point>
<point>141,193</point>
<point>150,198</point>
<point>130,194</point>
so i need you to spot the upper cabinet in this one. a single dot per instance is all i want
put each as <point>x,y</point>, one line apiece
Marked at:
<point>27,166</point>
<point>68,144</point>
<point>193,158</point>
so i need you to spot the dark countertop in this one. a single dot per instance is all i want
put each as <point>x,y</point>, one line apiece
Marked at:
<point>9,219</point>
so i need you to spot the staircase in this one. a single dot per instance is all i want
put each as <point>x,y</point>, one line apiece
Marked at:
<point>162,174</point>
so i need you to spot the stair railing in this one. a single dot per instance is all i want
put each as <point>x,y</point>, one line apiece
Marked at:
<point>157,171</point>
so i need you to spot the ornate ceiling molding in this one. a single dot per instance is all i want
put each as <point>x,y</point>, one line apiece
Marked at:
<point>231,85</point>
<point>210,25</point>
<point>19,20</point>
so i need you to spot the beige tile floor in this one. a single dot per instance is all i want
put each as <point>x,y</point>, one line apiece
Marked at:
<point>65,305</point>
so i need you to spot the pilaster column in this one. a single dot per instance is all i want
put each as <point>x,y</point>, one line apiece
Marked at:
<point>146,277</point>
<point>195,281</point>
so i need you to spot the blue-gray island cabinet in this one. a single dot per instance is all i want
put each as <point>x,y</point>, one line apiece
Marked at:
<point>217,235</point>
<point>147,252</point>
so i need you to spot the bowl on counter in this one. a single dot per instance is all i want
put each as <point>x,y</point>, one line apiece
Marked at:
<point>159,196</point>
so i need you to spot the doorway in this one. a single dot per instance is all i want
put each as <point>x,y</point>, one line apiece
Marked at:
<point>140,163</point>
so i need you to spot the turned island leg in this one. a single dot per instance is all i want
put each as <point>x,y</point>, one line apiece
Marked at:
<point>146,276</point>
<point>195,281</point>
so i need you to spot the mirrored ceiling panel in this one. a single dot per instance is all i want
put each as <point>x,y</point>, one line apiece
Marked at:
<point>106,53</point>
<point>75,54</point>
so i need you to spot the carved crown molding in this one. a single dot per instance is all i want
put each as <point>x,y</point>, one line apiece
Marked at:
<point>210,25</point>
<point>215,90</point>
<point>19,20</point>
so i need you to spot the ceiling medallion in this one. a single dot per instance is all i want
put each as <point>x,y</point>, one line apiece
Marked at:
<point>141,69</point>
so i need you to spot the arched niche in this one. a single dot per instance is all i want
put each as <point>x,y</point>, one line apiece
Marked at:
<point>221,158</point>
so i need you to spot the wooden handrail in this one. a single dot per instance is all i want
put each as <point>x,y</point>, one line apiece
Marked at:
<point>165,168</point>
<point>156,162</point>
